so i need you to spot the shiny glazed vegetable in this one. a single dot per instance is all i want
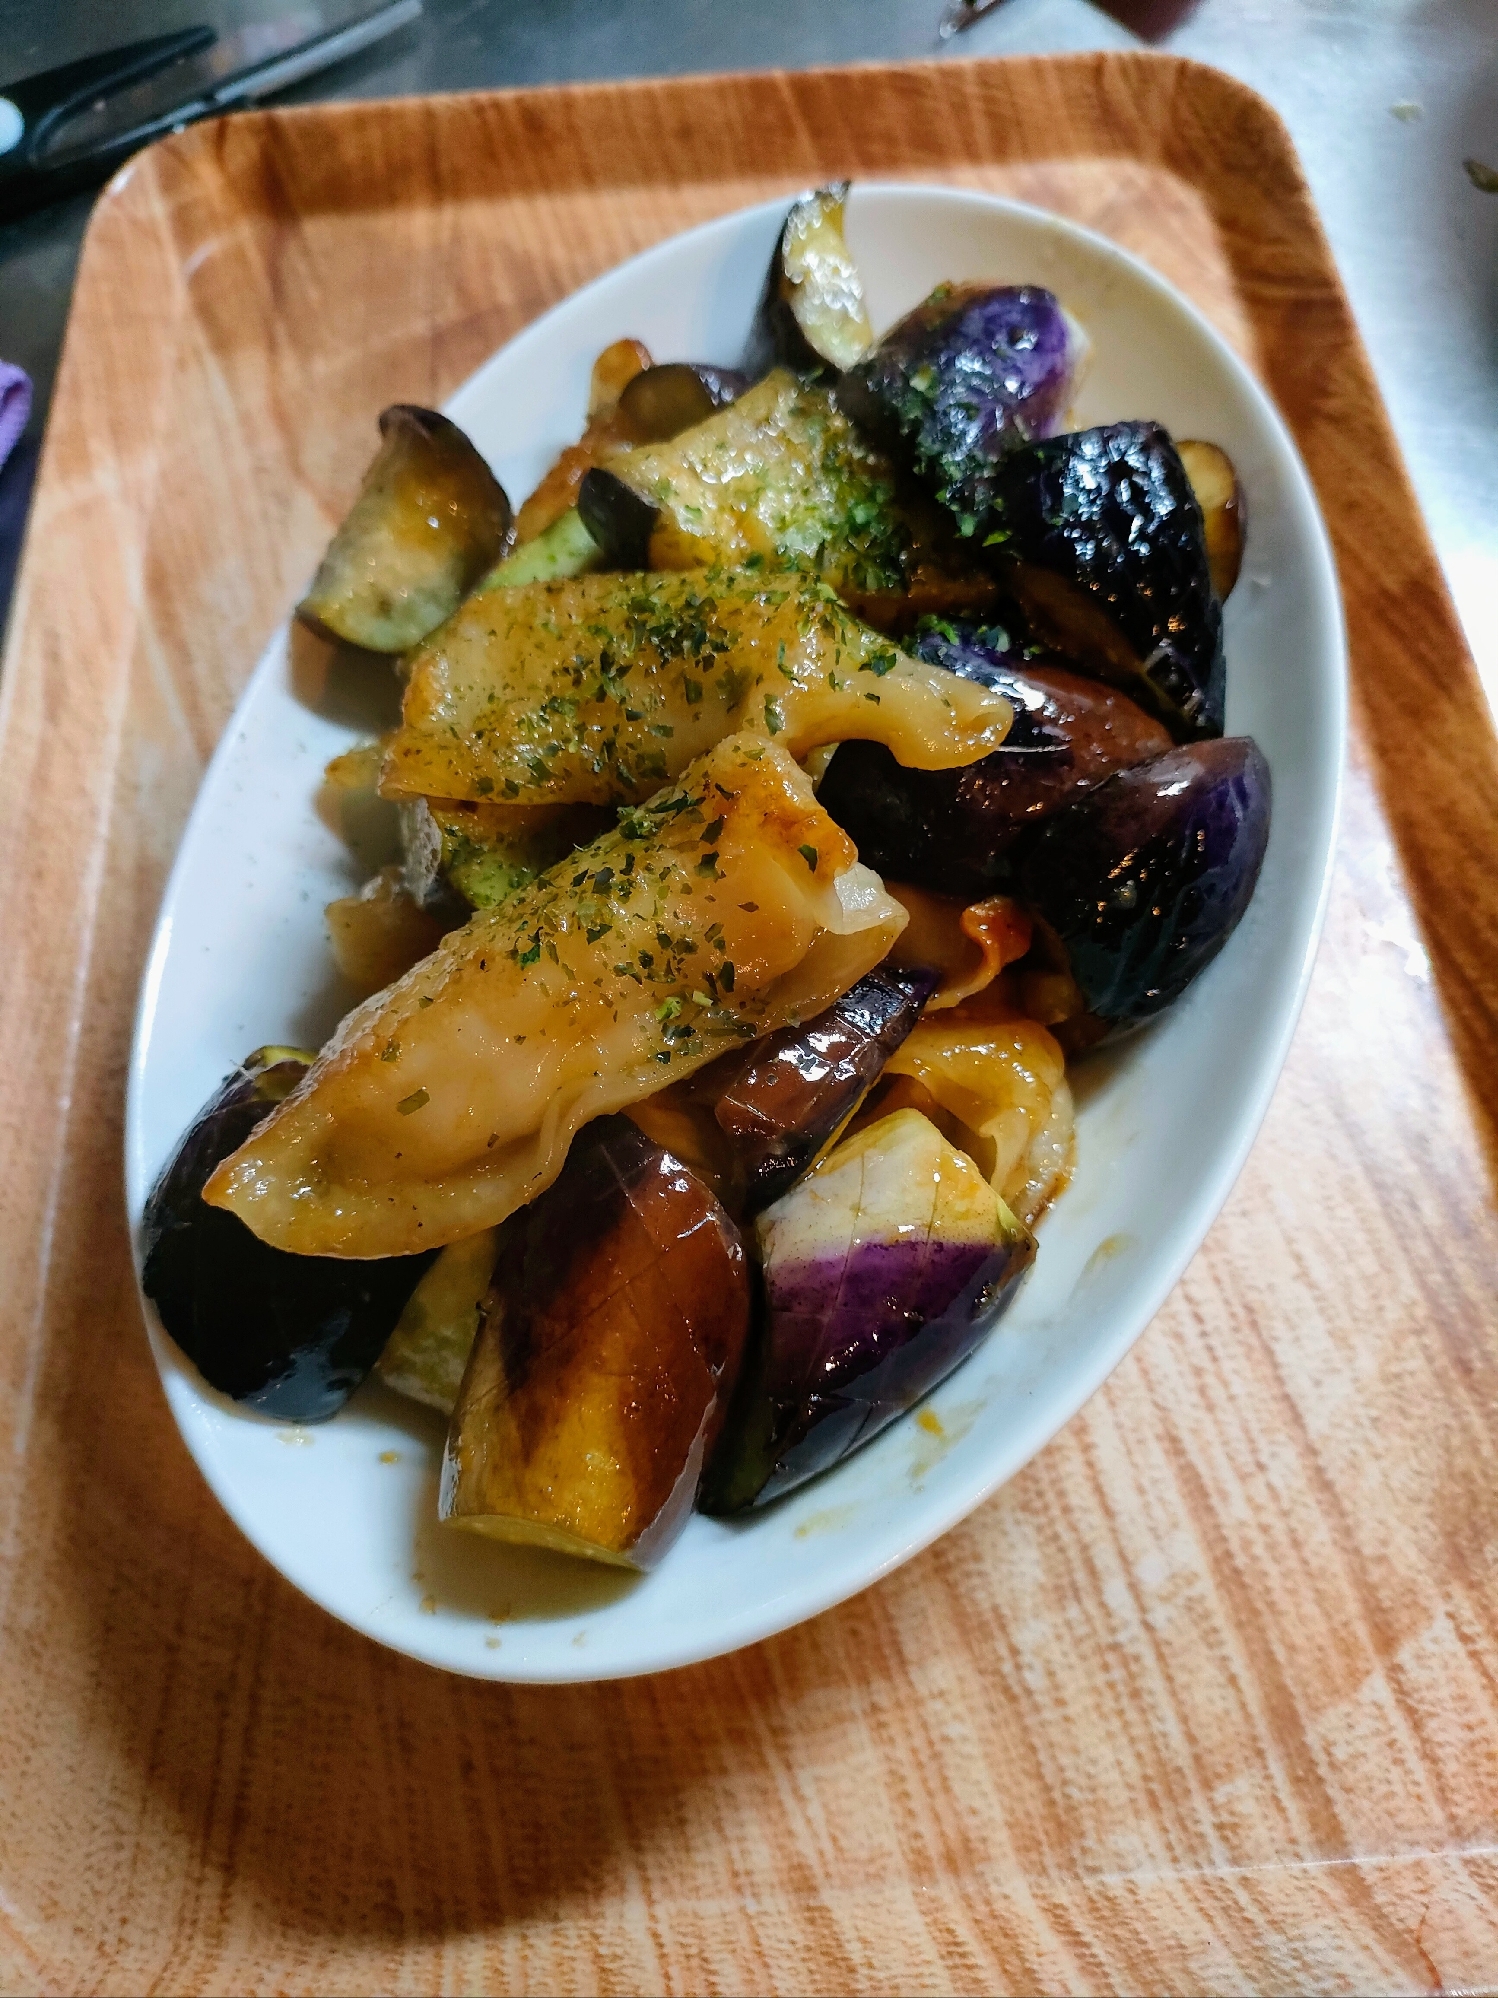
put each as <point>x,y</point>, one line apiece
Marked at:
<point>758,1119</point>
<point>426,1355</point>
<point>378,934</point>
<point>611,1340</point>
<point>597,691</point>
<point>291,1336</point>
<point>956,830</point>
<point>974,371</point>
<point>784,480</point>
<point>1100,537</point>
<point>994,1084</point>
<point>1145,880</point>
<point>728,906</point>
<point>882,1270</point>
<point>1220,498</point>
<point>663,401</point>
<point>429,520</point>
<point>812,317</point>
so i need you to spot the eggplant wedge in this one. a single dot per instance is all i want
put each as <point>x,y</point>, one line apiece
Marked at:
<point>1099,536</point>
<point>758,1119</point>
<point>610,1342</point>
<point>882,1271</point>
<point>430,520</point>
<point>291,1336</point>
<point>426,1355</point>
<point>1220,497</point>
<point>1145,879</point>
<point>812,317</point>
<point>971,374</point>
<point>955,831</point>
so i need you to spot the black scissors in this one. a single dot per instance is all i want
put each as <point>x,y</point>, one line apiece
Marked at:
<point>69,128</point>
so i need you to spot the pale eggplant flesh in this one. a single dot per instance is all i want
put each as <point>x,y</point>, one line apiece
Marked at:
<point>812,316</point>
<point>883,1270</point>
<point>291,1336</point>
<point>609,1344</point>
<point>430,520</point>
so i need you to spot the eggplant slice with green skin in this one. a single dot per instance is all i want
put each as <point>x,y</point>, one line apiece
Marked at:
<point>882,1271</point>
<point>430,520</point>
<point>1145,879</point>
<point>610,1342</point>
<point>812,317</point>
<point>956,830</point>
<point>1100,538</point>
<point>973,373</point>
<point>291,1336</point>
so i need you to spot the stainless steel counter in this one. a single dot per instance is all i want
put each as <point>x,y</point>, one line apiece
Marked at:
<point>1385,99</point>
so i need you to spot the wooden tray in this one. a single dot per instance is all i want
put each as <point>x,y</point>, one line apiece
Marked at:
<point>1208,1697</point>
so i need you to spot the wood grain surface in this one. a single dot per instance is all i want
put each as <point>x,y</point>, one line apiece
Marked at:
<point>1206,1699</point>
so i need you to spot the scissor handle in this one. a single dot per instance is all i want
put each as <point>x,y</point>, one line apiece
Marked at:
<point>31,107</point>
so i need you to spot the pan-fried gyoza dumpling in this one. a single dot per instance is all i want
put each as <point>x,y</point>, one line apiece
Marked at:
<point>598,689</point>
<point>721,909</point>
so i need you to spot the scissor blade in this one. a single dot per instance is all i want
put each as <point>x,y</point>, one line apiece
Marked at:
<point>249,61</point>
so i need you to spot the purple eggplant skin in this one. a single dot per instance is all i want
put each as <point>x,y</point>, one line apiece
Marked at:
<point>848,1343</point>
<point>957,830</point>
<point>1100,538</point>
<point>1146,878</point>
<point>974,372</point>
<point>291,1336</point>
<point>617,518</point>
<point>779,1101</point>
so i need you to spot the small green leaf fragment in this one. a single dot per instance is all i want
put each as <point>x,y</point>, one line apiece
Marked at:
<point>809,855</point>
<point>417,1100</point>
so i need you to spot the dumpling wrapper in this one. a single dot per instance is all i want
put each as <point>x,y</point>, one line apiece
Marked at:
<point>724,908</point>
<point>598,689</point>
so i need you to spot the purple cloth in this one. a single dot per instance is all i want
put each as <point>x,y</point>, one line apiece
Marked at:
<point>15,406</point>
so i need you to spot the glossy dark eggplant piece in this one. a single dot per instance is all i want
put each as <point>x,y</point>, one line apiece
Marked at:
<point>971,374</point>
<point>430,520</point>
<point>1099,536</point>
<point>291,1336</point>
<point>1145,879</point>
<point>619,520</point>
<point>882,1271</point>
<point>956,830</point>
<point>610,1342</point>
<point>660,402</point>
<point>812,317</point>
<point>775,1105</point>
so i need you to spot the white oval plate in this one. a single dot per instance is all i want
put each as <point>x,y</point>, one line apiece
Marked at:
<point>347,1510</point>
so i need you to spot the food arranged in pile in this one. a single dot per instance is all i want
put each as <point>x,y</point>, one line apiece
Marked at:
<point>828,751</point>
